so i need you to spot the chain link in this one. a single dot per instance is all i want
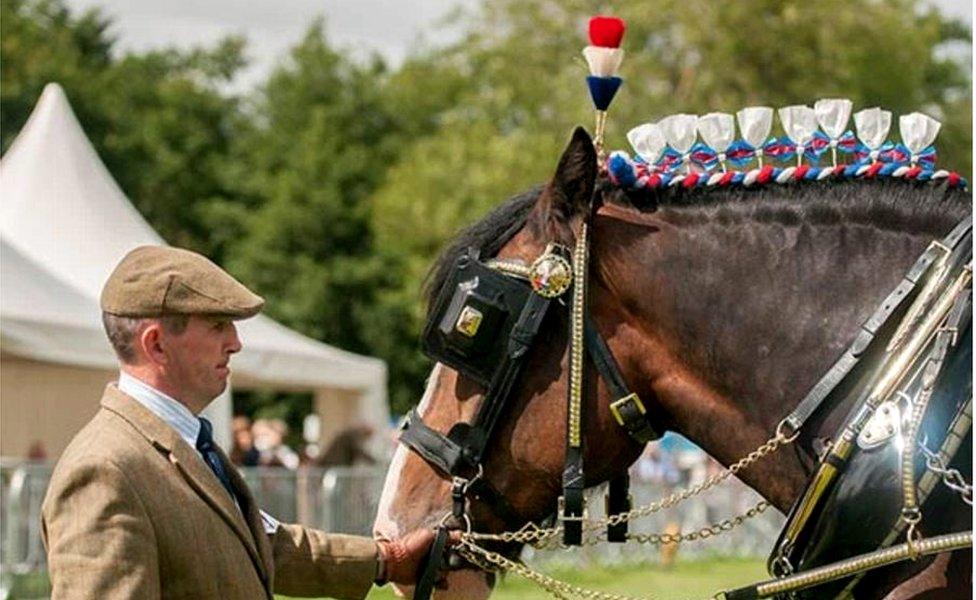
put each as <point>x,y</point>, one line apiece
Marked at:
<point>700,534</point>
<point>952,478</point>
<point>550,537</point>
<point>541,537</point>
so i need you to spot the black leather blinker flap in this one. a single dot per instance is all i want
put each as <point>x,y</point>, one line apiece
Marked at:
<point>473,319</point>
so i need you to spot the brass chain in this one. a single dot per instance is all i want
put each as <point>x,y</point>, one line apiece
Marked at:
<point>534,535</point>
<point>699,534</point>
<point>541,537</point>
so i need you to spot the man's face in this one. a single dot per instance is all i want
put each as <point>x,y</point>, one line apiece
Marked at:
<point>199,357</point>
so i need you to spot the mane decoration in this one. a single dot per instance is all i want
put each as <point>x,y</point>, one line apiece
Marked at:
<point>669,154</point>
<point>603,57</point>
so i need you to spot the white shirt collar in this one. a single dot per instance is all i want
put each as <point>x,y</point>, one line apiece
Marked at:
<point>170,410</point>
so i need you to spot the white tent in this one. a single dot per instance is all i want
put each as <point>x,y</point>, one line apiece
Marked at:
<point>65,224</point>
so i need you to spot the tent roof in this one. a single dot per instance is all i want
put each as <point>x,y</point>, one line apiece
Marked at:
<point>65,224</point>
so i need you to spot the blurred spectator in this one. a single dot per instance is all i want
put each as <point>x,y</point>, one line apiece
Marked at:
<point>655,466</point>
<point>349,448</point>
<point>36,451</point>
<point>243,453</point>
<point>269,436</point>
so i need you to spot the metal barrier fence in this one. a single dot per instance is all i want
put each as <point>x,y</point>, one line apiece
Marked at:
<point>344,500</point>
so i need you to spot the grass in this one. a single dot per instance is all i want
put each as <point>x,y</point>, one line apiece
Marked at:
<point>691,579</point>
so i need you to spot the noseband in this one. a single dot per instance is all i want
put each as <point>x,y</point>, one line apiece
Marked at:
<point>483,325</point>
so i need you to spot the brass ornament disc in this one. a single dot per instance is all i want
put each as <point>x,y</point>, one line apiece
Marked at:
<point>550,275</point>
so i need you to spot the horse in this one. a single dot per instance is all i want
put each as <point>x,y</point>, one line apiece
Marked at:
<point>722,307</point>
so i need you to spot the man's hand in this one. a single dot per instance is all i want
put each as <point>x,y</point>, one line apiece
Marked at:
<point>401,558</point>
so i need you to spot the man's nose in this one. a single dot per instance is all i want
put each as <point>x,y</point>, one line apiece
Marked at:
<point>235,341</point>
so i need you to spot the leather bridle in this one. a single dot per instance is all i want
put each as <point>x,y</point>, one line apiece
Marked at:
<point>512,299</point>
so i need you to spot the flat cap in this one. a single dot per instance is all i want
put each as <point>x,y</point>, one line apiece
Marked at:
<point>153,281</point>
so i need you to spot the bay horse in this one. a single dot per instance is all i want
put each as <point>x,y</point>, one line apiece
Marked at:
<point>722,307</point>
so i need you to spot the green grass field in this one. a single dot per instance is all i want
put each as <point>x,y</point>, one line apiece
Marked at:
<point>686,580</point>
<point>692,579</point>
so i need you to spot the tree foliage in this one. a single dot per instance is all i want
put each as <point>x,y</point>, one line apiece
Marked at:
<point>331,187</point>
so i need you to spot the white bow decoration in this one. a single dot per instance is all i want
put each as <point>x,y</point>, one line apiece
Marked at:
<point>833,115</point>
<point>755,123</point>
<point>800,123</point>
<point>717,130</point>
<point>872,126</point>
<point>918,131</point>
<point>648,142</point>
<point>680,131</point>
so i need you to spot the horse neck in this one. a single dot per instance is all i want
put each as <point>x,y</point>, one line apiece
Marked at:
<point>740,318</point>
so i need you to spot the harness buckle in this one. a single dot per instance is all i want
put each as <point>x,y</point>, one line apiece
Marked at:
<point>629,398</point>
<point>561,511</point>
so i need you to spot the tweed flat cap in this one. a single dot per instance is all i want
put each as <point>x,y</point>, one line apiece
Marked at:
<point>152,281</point>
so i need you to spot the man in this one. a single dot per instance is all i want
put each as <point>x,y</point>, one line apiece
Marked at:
<point>142,504</point>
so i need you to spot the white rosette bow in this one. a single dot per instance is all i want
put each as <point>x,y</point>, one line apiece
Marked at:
<point>648,142</point>
<point>800,124</point>
<point>872,125</point>
<point>717,130</point>
<point>755,124</point>
<point>680,131</point>
<point>918,132</point>
<point>833,114</point>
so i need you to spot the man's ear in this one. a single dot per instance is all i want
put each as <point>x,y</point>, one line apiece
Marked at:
<point>571,189</point>
<point>151,341</point>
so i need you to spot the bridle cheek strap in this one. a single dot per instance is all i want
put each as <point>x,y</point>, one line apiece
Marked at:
<point>448,457</point>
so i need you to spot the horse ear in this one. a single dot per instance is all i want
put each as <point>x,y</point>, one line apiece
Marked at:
<point>571,189</point>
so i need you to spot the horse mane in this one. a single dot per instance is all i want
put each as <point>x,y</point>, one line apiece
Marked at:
<point>489,235</point>
<point>910,207</point>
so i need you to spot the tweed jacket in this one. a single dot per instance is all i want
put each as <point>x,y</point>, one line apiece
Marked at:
<point>133,511</point>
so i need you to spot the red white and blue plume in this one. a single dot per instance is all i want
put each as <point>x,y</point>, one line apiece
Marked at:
<point>603,57</point>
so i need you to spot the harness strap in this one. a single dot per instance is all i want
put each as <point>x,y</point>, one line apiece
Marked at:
<point>573,505</point>
<point>431,565</point>
<point>627,409</point>
<point>448,458</point>
<point>519,342</point>
<point>618,501</point>
<point>432,446</point>
<point>896,299</point>
<point>630,413</point>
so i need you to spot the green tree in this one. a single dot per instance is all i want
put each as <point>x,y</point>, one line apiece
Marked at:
<point>317,147</point>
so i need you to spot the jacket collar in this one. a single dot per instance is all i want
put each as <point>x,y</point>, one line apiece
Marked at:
<point>198,475</point>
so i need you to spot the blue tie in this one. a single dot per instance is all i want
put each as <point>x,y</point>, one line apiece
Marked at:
<point>208,449</point>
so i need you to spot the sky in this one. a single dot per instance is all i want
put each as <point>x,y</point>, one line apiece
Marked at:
<point>389,27</point>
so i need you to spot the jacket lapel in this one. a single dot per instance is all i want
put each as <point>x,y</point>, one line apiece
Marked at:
<point>190,466</point>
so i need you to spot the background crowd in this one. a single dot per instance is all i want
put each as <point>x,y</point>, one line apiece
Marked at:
<point>261,443</point>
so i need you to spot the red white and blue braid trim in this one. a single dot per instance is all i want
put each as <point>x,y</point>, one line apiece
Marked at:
<point>637,174</point>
